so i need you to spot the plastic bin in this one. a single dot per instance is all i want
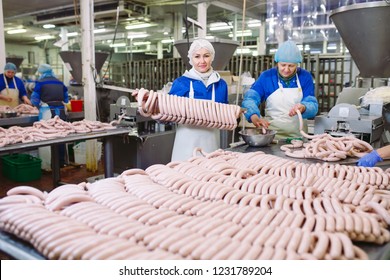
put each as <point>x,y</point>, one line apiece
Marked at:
<point>80,152</point>
<point>77,105</point>
<point>21,167</point>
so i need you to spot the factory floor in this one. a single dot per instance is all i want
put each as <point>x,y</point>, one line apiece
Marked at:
<point>70,174</point>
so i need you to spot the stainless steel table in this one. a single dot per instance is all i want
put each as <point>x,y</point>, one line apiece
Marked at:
<point>106,136</point>
<point>274,149</point>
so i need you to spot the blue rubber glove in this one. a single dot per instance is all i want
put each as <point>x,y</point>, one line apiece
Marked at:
<point>370,159</point>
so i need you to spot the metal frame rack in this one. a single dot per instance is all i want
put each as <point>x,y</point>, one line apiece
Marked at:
<point>331,73</point>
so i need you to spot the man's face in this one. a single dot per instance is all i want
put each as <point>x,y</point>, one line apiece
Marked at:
<point>9,74</point>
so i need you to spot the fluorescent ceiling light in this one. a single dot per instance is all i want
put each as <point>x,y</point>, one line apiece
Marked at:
<point>137,35</point>
<point>16,31</point>
<point>101,30</point>
<point>243,51</point>
<point>141,43</point>
<point>220,26</point>
<point>242,34</point>
<point>72,34</point>
<point>48,26</point>
<point>116,45</point>
<point>166,41</point>
<point>140,25</point>
<point>254,23</point>
<point>332,47</point>
<point>44,37</point>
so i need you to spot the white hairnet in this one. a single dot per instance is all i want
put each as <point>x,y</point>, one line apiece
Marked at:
<point>288,52</point>
<point>198,44</point>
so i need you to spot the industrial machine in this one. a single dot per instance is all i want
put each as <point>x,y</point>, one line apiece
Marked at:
<point>346,119</point>
<point>367,41</point>
<point>148,143</point>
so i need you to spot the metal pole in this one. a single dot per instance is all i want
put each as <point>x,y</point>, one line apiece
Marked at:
<point>2,40</point>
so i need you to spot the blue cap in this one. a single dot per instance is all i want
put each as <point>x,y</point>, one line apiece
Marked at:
<point>44,68</point>
<point>288,52</point>
<point>10,67</point>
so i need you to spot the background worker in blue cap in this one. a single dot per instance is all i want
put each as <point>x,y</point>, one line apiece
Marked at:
<point>284,89</point>
<point>51,91</point>
<point>12,88</point>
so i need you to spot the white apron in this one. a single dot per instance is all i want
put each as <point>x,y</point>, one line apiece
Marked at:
<point>188,137</point>
<point>278,105</point>
<point>10,92</point>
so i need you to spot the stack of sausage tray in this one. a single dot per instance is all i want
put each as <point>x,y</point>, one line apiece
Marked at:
<point>240,203</point>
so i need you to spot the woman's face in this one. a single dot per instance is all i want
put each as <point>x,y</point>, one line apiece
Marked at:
<point>201,60</point>
<point>286,69</point>
<point>9,74</point>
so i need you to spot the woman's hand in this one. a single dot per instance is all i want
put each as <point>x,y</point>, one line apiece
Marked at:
<point>257,121</point>
<point>299,106</point>
<point>6,98</point>
<point>136,91</point>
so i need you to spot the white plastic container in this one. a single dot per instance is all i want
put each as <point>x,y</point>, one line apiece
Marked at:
<point>80,152</point>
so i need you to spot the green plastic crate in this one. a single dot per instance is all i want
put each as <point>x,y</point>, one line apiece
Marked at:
<point>21,167</point>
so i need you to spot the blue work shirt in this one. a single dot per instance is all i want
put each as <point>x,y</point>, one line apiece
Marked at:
<point>267,84</point>
<point>19,85</point>
<point>181,87</point>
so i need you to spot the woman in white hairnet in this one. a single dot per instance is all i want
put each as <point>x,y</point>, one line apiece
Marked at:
<point>284,89</point>
<point>200,82</point>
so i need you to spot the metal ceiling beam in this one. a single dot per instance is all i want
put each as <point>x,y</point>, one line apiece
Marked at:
<point>234,9</point>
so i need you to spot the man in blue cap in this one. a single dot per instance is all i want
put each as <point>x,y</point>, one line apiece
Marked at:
<point>12,88</point>
<point>51,91</point>
<point>284,89</point>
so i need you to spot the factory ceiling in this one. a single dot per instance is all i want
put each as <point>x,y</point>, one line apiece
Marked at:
<point>111,17</point>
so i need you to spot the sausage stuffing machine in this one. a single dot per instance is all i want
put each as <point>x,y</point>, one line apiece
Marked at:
<point>149,142</point>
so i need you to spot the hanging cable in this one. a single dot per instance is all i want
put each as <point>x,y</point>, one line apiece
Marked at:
<point>241,58</point>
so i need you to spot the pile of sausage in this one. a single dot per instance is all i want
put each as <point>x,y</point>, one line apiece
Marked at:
<point>26,109</point>
<point>326,147</point>
<point>48,129</point>
<point>198,112</point>
<point>21,109</point>
<point>221,205</point>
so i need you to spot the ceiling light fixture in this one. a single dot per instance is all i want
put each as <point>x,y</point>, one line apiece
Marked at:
<point>244,33</point>
<point>141,43</point>
<point>16,31</point>
<point>137,35</point>
<point>254,23</point>
<point>116,45</point>
<point>167,41</point>
<point>140,25</point>
<point>44,37</point>
<point>101,30</point>
<point>48,26</point>
<point>215,26</point>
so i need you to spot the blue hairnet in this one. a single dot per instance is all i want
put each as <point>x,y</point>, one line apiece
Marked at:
<point>44,68</point>
<point>288,52</point>
<point>10,67</point>
<point>198,44</point>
